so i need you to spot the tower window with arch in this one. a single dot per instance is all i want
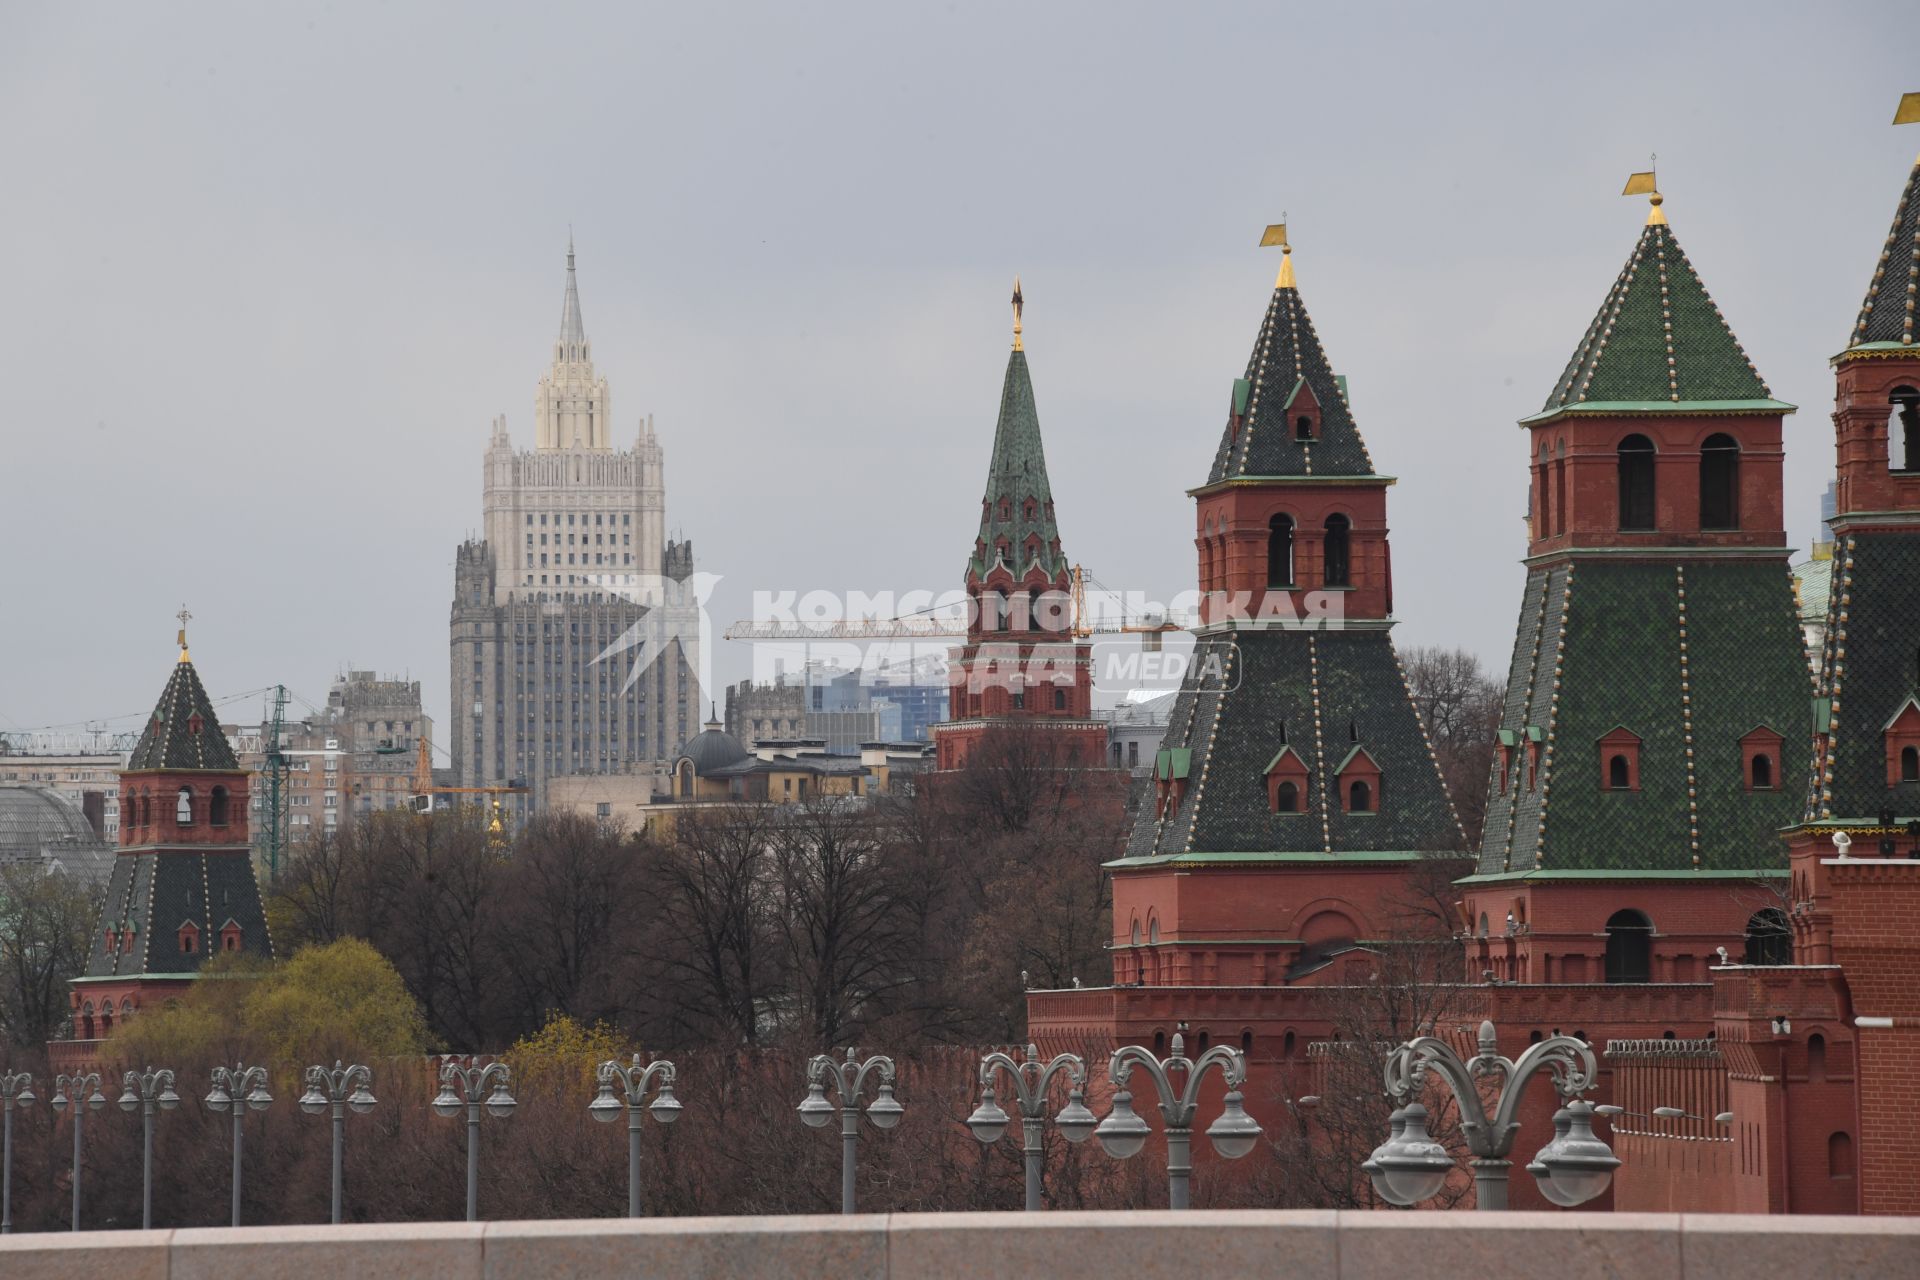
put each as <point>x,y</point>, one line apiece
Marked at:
<point>1560,486</point>
<point>1636,466</point>
<point>1280,551</point>
<point>1629,956</point>
<point>183,807</point>
<point>217,805</point>
<point>1542,499</point>
<point>1720,482</point>
<point>1337,570</point>
<point>1903,429</point>
<point>1303,427</point>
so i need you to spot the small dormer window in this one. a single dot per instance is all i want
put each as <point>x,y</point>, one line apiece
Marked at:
<point>1620,760</point>
<point>1304,428</point>
<point>195,724</point>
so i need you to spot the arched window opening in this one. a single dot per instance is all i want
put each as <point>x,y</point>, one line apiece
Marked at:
<point>1280,551</point>
<point>1543,524</point>
<point>86,1021</point>
<point>1560,487</point>
<point>1903,426</point>
<point>1153,931</point>
<point>1287,1046</point>
<point>1618,778</point>
<point>1483,924</point>
<point>1287,800</point>
<point>1720,483</point>
<point>1636,483</point>
<point>1816,1057</point>
<point>1629,947</point>
<point>1201,1045</point>
<point>1159,1044</point>
<point>1338,572</point>
<point>1769,940</point>
<point>1360,797</point>
<point>1002,612</point>
<point>1763,773</point>
<point>183,807</point>
<point>1840,1156</point>
<point>1303,428</point>
<point>686,778</point>
<point>1136,933</point>
<point>1910,764</point>
<point>1246,1042</point>
<point>217,808</point>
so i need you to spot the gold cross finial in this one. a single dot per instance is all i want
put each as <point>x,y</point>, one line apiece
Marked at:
<point>1647,184</point>
<point>1019,303</point>
<point>184,617</point>
<point>1276,234</point>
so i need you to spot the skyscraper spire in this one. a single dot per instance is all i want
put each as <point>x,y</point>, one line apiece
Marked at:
<point>573,332</point>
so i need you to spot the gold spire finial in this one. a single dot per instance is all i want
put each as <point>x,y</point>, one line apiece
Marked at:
<point>1647,184</point>
<point>1018,303</point>
<point>184,617</point>
<point>1276,234</point>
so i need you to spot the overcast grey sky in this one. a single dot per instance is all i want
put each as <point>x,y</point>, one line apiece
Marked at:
<point>268,271</point>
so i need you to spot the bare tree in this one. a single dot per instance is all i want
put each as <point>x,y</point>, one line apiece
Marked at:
<point>578,892</point>
<point>1460,705</point>
<point>46,933</point>
<point>712,944</point>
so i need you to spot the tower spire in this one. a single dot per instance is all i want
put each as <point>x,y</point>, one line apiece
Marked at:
<point>1018,303</point>
<point>573,331</point>
<point>184,617</point>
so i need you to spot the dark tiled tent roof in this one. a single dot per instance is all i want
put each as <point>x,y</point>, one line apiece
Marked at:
<point>1878,576</point>
<point>1018,474</point>
<point>1287,359</point>
<point>1249,694</point>
<point>1658,339</point>
<point>170,740</point>
<point>1887,313</point>
<point>1601,645</point>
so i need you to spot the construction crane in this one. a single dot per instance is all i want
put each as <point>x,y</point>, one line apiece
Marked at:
<point>920,626</point>
<point>276,768</point>
<point>424,789</point>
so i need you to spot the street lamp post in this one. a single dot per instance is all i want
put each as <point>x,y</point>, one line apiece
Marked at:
<point>86,1095</point>
<point>331,1089</point>
<point>1123,1133</point>
<point>849,1079</point>
<point>499,1103</point>
<point>633,1084</point>
<point>238,1089</point>
<point>1030,1081</point>
<point>1574,1166</point>
<point>145,1092</point>
<point>16,1089</point>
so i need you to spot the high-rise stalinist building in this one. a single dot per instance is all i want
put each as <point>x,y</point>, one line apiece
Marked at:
<point>565,615</point>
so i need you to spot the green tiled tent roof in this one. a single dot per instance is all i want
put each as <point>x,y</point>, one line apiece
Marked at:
<point>170,742</point>
<point>1657,341</point>
<point>1600,646</point>
<point>1018,474</point>
<point>1286,358</point>
<point>1887,313</point>
<point>1878,576</point>
<point>1250,694</point>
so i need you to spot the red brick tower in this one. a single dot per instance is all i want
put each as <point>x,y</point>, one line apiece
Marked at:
<point>1022,670</point>
<point>1656,704</point>
<point>183,885</point>
<point>1856,854</point>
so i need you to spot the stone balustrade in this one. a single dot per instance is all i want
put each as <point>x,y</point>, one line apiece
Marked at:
<point>1306,1244</point>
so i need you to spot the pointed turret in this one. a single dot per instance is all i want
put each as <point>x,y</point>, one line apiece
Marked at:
<point>1290,415</point>
<point>573,330</point>
<point>183,732</point>
<point>1016,511</point>
<point>1658,339</point>
<point>1887,313</point>
<point>1021,664</point>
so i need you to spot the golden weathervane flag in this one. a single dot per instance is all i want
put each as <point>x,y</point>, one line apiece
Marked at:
<point>1274,235</point>
<point>1908,111</point>
<point>1639,184</point>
